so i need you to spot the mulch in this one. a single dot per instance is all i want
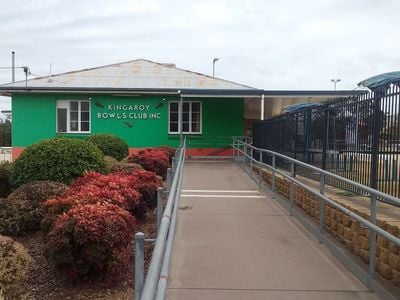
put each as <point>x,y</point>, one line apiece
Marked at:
<point>44,282</point>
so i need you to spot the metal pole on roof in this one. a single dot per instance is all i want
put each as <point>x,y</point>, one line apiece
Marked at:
<point>214,61</point>
<point>262,107</point>
<point>13,65</point>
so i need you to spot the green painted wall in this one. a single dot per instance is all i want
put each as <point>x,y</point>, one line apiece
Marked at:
<point>34,118</point>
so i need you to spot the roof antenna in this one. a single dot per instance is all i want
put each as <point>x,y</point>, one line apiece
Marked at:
<point>27,72</point>
<point>50,77</point>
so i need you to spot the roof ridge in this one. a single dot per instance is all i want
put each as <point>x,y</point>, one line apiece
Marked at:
<point>202,74</point>
<point>82,70</point>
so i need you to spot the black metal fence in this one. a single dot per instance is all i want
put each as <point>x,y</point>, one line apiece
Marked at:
<point>356,137</point>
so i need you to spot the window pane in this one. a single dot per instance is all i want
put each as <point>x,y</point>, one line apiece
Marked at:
<point>186,106</point>
<point>195,117</point>
<point>73,116</point>
<point>173,106</point>
<point>84,126</point>
<point>73,105</point>
<point>61,120</point>
<point>195,127</point>
<point>174,117</point>
<point>195,107</point>
<point>185,117</point>
<point>84,116</point>
<point>185,127</point>
<point>173,127</point>
<point>73,126</point>
<point>84,106</point>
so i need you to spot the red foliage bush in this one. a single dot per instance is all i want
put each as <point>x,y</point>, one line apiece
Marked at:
<point>152,159</point>
<point>90,240</point>
<point>92,188</point>
<point>147,182</point>
<point>169,151</point>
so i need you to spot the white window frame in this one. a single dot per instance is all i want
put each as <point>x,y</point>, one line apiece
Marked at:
<point>190,118</point>
<point>65,104</point>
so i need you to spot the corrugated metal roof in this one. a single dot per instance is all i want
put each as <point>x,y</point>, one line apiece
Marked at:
<point>133,74</point>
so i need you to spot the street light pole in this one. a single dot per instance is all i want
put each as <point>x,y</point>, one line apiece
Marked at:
<point>214,61</point>
<point>335,81</point>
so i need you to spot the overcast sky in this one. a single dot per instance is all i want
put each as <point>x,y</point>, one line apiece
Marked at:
<point>284,44</point>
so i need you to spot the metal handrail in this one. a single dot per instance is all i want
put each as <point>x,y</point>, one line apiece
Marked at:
<point>160,261</point>
<point>241,147</point>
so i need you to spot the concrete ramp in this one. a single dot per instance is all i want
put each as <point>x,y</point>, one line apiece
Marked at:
<point>233,242</point>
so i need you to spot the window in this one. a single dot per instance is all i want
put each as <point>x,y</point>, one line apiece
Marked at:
<point>73,116</point>
<point>191,117</point>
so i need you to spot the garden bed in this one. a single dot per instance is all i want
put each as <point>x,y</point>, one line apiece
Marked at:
<point>44,282</point>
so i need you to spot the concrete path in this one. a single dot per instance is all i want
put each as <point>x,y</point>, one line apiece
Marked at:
<point>232,242</point>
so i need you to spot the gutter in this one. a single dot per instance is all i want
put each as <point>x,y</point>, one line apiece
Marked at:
<point>232,93</point>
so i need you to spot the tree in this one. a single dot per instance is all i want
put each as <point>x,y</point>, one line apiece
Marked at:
<point>5,133</point>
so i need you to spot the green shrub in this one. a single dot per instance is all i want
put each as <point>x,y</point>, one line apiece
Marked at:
<point>110,145</point>
<point>113,165</point>
<point>5,173</point>
<point>58,159</point>
<point>22,211</point>
<point>91,240</point>
<point>14,265</point>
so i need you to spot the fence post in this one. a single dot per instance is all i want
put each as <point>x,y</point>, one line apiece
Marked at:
<point>251,162</point>
<point>325,132</point>
<point>321,206</point>
<point>160,208</point>
<point>273,176</point>
<point>169,179</point>
<point>244,155</point>
<point>260,167</point>
<point>291,195</point>
<point>372,239</point>
<point>139,264</point>
<point>376,129</point>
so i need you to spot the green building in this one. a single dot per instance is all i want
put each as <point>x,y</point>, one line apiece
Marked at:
<point>138,101</point>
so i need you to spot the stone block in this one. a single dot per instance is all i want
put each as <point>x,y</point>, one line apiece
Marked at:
<point>394,261</point>
<point>346,221</point>
<point>385,270</point>
<point>348,233</point>
<point>383,255</point>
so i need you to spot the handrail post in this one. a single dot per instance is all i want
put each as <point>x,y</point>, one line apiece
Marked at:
<point>244,155</point>
<point>169,178</point>
<point>139,264</point>
<point>160,194</point>
<point>321,206</point>
<point>273,175</point>
<point>291,195</point>
<point>260,167</point>
<point>173,165</point>
<point>372,239</point>
<point>251,162</point>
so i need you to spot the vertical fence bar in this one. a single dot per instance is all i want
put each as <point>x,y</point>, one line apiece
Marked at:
<point>376,129</point>
<point>160,208</point>
<point>244,155</point>
<point>321,206</point>
<point>139,264</point>
<point>260,167</point>
<point>372,239</point>
<point>291,195</point>
<point>251,162</point>
<point>273,175</point>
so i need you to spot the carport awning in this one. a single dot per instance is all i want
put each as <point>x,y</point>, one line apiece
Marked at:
<point>381,80</point>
